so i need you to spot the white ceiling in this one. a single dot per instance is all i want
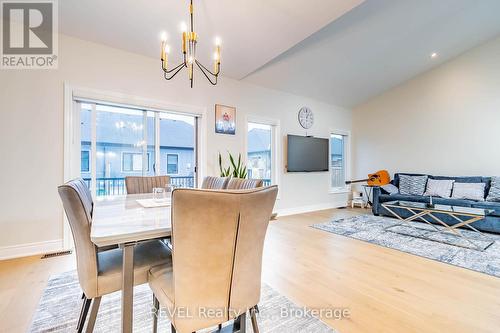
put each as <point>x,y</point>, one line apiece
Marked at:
<point>253,32</point>
<point>378,45</point>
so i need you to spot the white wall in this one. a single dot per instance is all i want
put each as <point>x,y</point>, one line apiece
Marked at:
<point>31,129</point>
<point>443,122</point>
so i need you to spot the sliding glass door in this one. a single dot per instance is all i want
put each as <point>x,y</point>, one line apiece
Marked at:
<point>117,142</point>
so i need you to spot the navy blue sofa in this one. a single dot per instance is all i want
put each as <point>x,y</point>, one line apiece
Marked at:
<point>490,224</point>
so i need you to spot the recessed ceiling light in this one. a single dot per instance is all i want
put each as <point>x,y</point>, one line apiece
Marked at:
<point>434,55</point>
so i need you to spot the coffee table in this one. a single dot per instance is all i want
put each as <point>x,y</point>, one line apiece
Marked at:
<point>464,216</point>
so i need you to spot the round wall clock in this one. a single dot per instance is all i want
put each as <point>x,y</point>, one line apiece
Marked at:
<point>306,117</point>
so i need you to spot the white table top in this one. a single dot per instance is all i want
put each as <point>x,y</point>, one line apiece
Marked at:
<point>120,219</point>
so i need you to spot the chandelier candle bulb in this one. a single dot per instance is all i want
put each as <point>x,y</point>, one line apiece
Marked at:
<point>184,37</point>
<point>166,51</point>
<point>162,56</point>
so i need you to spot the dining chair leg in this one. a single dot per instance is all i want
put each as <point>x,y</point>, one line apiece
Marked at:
<point>172,328</point>
<point>156,306</point>
<point>93,314</point>
<point>243,323</point>
<point>253,316</point>
<point>240,323</point>
<point>83,314</point>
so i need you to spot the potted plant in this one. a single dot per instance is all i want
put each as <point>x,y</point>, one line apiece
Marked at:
<point>234,170</point>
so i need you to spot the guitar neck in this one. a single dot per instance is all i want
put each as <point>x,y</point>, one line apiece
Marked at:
<point>356,181</point>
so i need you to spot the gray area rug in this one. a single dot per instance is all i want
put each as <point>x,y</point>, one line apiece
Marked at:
<point>60,304</point>
<point>371,229</point>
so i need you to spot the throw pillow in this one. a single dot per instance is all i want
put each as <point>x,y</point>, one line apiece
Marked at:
<point>472,191</point>
<point>439,188</point>
<point>494,194</point>
<point>391,189</point>
<point>412,185</point>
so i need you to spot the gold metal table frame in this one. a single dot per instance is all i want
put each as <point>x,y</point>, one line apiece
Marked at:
<point>422,211</point>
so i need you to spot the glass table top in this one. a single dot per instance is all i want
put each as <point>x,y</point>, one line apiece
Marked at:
<point>439,208</point>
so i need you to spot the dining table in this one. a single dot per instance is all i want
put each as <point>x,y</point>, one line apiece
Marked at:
<point>125,221</point>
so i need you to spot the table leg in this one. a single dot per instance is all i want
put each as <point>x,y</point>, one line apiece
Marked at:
<point>368,192</point>
<point>127,287</point>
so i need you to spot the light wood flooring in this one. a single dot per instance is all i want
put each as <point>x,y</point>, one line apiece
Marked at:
<point>384,290</point>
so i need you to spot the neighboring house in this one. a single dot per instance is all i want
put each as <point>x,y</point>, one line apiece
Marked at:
<point>120,147</point>
<point>259,153</point>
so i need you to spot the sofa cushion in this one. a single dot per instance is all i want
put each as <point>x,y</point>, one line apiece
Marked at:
<point>395,181</point>
<point>494,191</point>
<point>488,205</point>
<point>471,191</point>
<point>439,187</point>
<point>391,189</point>
<point>412,185</point>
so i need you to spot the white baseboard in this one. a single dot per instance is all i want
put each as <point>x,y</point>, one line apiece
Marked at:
<point>310,208</point>
<point>30,249</point>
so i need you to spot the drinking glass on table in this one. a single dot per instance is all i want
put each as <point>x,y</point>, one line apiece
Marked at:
<point>158,193</point>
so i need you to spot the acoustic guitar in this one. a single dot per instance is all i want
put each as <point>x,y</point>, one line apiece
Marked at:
<point>378,178</point>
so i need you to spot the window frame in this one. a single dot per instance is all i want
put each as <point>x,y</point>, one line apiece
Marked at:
<point>276,158</point>
<point>135,153</point>
<point>177,164</point>
<point>347,160</point>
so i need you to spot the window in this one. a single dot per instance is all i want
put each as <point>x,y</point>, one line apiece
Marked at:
<point>85,161</point>
<point>172,164</point>
<point>338,162</point>
<point>261,151</point>
<point>132,162</point>
<point>118,141</point>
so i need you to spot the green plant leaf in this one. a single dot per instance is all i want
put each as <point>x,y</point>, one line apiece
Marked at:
<point>220,166</point>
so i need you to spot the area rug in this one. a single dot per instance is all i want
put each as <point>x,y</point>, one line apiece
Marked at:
<point>371,229</point>
<point>60,304</point>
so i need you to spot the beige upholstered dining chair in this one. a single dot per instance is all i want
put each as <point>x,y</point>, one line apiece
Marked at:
<point>240,184</point>
<point>214,183</point>
<point>138,184</point>
<point>218,238</point>
<point>100,273</point>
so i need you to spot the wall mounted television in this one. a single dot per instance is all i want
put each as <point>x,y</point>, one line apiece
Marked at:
<point>307,154</point>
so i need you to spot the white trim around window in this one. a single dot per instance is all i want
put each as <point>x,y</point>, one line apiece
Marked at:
<point>166,163</point>
<point>276,158</point>
<point>347,160</point>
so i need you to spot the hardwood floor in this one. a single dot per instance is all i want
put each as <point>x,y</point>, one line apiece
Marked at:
<point>384,290</point>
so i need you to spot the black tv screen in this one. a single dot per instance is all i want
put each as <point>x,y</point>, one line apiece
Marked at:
<point>307,154</point>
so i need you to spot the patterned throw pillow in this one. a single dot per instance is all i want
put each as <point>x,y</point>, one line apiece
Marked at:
<point>439,188</point>
<point>471,191</point>
<point>412,185</point>
<point>391,189</point>
<point>494,194</point>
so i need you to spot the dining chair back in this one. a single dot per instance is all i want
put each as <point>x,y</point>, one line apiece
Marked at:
<point>243,184</point>
<point>214,183</point>
<point>99,272</point>
<point>78,206</point>
<point>218,239</point>
<point>139,184</point>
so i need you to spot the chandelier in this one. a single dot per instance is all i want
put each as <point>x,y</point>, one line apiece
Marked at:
<point>189,40</point>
